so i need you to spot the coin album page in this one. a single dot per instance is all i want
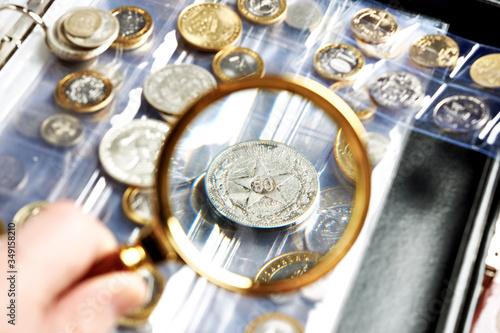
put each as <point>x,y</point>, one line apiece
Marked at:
<point>426,100</point>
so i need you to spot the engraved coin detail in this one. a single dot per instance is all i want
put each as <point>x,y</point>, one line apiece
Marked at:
<point>262,11</point>
<point>434,51</point>
<point>234,63</point>
<point>357,98</point>
<point>209,26</point>
<point>136,25</point>
<point>374,25</point>
<point>136,204</point>
<point>262,184</point>
<point>274,322</point>
<point>338,61</point>
<point>105,34</point>
<point>303,14</point>
<point>461,113</point>
<point>329,227</point>
<point>28,211</point>
<point>13,174</point>
<point>129,153</point>
<point>83,23</point>
<point>485,71</point>
<point>397,90</point>
<point>175,87</point>
<point>62,130</point>
<point>288,266</point>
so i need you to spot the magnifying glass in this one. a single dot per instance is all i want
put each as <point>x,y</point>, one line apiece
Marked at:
<point>262,187</point>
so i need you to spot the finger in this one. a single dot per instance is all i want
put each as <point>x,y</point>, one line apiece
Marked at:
<point>95,305</point>
<point>58,246</point>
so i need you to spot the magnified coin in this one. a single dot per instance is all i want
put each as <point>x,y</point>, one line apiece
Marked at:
<point>173,88</point>
<point>128,153</point>
<point>397,90</point>
<point>84,91</point>
<point>83,22</point>
<point>28,211</point>
<point>62,130</point>
<point>136,204</point>
<point>262,184</point>
<point>434,51</point>
<point>461,113</point>
<point>274,322</point>
<point>106,33</point>
<point>303,14</point>
<point>374,25</point>
<point>338,61</point>
<point>344,158</point>
<point>358,99</point>
<point>262,11</point>
<point>209,26</point>
<point>233,63</point>
<point>13,173</point>
<point>329,228</point>
<point>136,25</point>
<point>485,71</point>
<point>288,265</point>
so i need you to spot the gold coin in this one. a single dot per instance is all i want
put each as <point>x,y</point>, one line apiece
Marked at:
<point>434,51</point>
<point>84,91</point>
<point>338,61</point>
<point>209,26</point>
<point>28,211</point>
<point>262,11</point>
<point>234,63</point>
<point>387,50</point>
<point>485,71</point>
<point>136,25</point>
<point>136,204</point>
<point>274,322</point>
<point>344,158</point>
<point>358,99</point>
<point>374,25</point>
<point>288,266</point>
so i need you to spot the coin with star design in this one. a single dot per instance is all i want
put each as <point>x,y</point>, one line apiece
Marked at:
<point>262,184</point>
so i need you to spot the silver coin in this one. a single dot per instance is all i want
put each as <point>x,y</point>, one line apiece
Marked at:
<point>83,22</point>
<point>104,35</point>
<point>237,65</point>
<point>131,22</point>
<point>62,130</point>
<point>328,228</point>
<point>397,90</point>
<point>461,113</point>
<point>129,153</point>
<point>376,146</point>
<point>262,184</point>
<point>13,174</point>
<point>303,14</point>
<point>262,8</point>
<point>86,89</point>
<point>175,87</point>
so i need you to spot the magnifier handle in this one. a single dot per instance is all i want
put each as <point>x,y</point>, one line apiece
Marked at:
<point>123,259</point>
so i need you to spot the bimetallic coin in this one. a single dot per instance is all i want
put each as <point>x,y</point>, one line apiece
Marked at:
<point>303,14</point>
<point>262,184</point>
<point>344,158</point>
<point>172,89</point>
<point>128,153</point>
<point>233,63</point>
<point>434,51</point>
<point>288,266</point>
<point>358,99</point>
<point>485,71</point>
<point>338,61</point>
<point>62,130</point>
<point>374,25</point>
<point>325,232</point>
<point>104,35</point>
<point>83,22</point>
<point>274,322</point>
<point>27,212</point>
<point>136,25</point>
<point>209,26</point>
<point>397,90</point>
<point>136,204</point>
<point>461,113</point>
<point>13,174</point>
<point>84,91</point>
<point>262,11</point>
<point>376,146</point>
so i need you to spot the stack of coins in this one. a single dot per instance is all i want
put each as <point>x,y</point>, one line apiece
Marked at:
<point>136,25</point>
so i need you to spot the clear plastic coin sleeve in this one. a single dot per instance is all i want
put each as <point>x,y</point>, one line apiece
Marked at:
<point>34,170</point>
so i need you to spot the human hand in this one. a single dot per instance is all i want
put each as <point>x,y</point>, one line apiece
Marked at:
<point>53,252</point>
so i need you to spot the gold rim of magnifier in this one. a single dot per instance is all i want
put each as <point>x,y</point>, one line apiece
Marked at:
<point>353,131</point>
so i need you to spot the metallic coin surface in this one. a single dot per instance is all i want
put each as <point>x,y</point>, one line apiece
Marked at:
<point>338,61</point>
<point>62,130</point>
<point>397,90</point>
<point>128,153</point>
<point>209,26</point>
<point>374,25</point>
<point>136,204</point>
<point>303,14</point>
<point>175,87</point>
<point>329,227</point>
<point>262,11</point>
<point>13,173</point>
<point>344,158</point>
<point>105,35</point>
<point>357,98</point>
<point>233,63</point>
<point>83,22</point>
<point>434,51</point>
<point>485,71</point>
<point>262,184</point>
<point>376,146</point>
<point>288,266</point>
<point>274,322</point>
<point>84,91</point>
<point>136,25</point>
<point>461,113</point>
<point>27,212</point>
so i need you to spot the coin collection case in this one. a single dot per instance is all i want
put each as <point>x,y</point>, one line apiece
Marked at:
<point>34,170</point>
